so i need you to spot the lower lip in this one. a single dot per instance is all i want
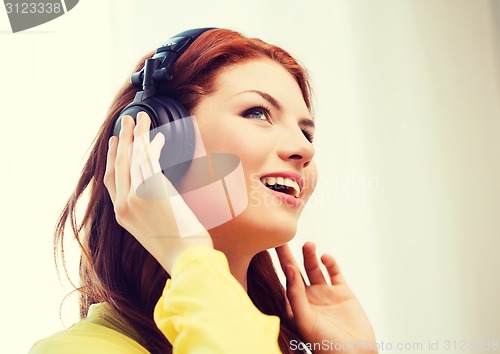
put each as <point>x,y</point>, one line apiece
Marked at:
<point>287,199</point>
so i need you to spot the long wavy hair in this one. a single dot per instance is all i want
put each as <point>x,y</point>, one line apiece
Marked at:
<point>114,267</point>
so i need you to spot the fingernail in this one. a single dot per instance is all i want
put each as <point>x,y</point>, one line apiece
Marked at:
<point>139,116</point>
<point>110,142</point>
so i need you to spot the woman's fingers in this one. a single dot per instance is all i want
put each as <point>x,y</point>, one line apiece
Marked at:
<point>122,160</point>
<point>295,286</point>
<point>311,264</point>
<point>140,150</point>
<point>155,151</point>
<point>151,164</point>
<point>296,294</point>
<point>333,269</point>
<point>109,175</point>
<point>285,256</point>
<point>147,179</point>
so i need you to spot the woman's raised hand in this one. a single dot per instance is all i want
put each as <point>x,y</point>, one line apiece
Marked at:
<point>132,166</point>
<point>326,313</point>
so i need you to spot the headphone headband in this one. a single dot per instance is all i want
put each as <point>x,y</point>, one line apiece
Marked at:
<point>165,57</point>
<point>165,112</point>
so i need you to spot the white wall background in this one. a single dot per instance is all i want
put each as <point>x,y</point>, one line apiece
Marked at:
<point>408,142</point>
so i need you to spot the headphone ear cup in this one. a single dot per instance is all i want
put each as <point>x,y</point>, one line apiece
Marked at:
<point>175,122</point>
<point>171,118</point>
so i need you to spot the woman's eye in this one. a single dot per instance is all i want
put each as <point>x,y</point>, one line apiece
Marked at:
<point>309,136</point>
<point>257,113</point>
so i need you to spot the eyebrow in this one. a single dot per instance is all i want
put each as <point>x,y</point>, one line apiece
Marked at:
<point>267,97</point>
<point>305,122</point>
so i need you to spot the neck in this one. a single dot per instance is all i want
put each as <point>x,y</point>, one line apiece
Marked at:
<point>239,270</point>
<point>238,263</point>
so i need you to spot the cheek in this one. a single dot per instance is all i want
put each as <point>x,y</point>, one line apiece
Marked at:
<point>237,136</point>
<point>231,134</point>
<point>215,189</point>
<point>217,135</point>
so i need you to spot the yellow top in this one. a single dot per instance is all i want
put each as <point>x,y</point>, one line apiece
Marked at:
<point>203,309</point>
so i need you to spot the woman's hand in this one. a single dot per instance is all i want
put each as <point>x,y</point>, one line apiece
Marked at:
<point>325,313</point>
<point>132,166</point>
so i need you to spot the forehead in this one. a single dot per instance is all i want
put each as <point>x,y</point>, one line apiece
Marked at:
<point>262,75</point>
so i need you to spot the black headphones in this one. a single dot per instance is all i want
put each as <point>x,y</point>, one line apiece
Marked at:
<point>164,111</point>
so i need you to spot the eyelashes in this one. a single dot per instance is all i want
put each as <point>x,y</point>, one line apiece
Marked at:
<point>309,135</point>
<point>261,112</point>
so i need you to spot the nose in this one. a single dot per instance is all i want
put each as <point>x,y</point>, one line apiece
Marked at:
<point>295,148</point>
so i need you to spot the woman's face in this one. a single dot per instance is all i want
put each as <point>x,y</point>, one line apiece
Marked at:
<point>257,113</point>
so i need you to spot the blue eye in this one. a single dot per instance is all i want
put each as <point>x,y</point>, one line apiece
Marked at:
<point>259,112</point>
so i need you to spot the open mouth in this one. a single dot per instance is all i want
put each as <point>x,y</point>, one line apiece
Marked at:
<point>283,185</point>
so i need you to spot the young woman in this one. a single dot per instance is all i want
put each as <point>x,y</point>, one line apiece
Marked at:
<point>249,99</point>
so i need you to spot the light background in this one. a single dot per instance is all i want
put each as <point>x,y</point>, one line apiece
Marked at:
<point>407,102</point>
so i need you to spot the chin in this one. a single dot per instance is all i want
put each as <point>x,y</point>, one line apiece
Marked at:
<point>279,235</point>
<point>256,230</point>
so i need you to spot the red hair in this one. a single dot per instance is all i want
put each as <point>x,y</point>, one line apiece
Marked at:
<point>114,267</point>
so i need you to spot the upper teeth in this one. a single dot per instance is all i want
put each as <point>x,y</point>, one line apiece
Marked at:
<point>271,181</point>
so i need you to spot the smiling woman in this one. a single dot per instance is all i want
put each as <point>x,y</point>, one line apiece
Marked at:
<point>257,113</point>
<point>251,100</point>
